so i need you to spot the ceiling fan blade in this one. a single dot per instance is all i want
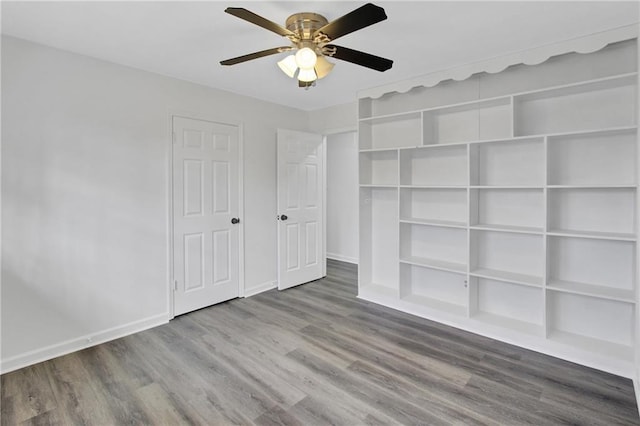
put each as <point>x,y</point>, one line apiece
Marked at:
<point>361,58</point>
<point>258,20</point>
<point>255,55</point>
<point>362,17</point>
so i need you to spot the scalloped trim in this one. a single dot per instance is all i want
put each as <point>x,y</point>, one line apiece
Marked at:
<point>535,56</point>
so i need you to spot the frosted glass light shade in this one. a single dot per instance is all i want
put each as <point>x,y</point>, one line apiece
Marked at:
<point>307,75</point>
<point>323,67</point>
<point>288,65</point>
<point>306,58</point>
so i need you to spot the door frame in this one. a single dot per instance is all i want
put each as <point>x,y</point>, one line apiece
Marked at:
<point>169,185</point>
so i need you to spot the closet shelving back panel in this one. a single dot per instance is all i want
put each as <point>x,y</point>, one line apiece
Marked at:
<point>506,204</point>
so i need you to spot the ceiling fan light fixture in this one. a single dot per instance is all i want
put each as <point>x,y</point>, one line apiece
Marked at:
<point>289,66</point>
<point>323,67</point>
<point>306,58</point>
<point>307,75</point>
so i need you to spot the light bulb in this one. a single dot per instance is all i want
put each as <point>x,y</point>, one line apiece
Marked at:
<point>307,75</point>
<point>323,67</point>
<point>306,58</point>
<point>288,65</point>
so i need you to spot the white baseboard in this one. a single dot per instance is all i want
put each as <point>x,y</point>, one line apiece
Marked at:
<point>260,288</point>
<point>73,345</point>
<point>342,258</point>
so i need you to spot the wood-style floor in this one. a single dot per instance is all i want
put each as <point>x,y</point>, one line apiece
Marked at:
<point>311,355</point>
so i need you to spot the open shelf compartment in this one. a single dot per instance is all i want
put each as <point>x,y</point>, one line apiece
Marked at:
<point>520,210</point>
<point>434,289</point>
<point>379,168</point>
<point>402,130</point>
<point>378,267</point>
<point>506,256</point>
<point>507,305</point>
<point>591,324</point>
<point>515,162</point>
<point>603,268</point>
<point>599,211</point>
<point>443,206</point>
<point>434,246</point>
<point>595,158</point>
<point>439,166</point>
<point>482,120</point>
<point>594,105</point>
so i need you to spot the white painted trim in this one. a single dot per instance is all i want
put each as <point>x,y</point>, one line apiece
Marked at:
<point>241,253</point>
<point>83,342</point>
<point>587,44</point>
<point>324,205</point>
<point>341,258</point>
<point>260,288</point>
<point>636,388</point>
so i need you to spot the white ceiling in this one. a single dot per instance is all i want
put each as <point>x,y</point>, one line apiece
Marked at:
<point>188,39</point>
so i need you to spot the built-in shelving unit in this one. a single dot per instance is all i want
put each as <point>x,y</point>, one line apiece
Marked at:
<point>510,207</point>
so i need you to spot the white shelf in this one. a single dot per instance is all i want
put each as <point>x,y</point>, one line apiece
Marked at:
<point>506,276</point>
<point>434,186</point>
<point>605,186</point>
<point>508,228</point>
<point>588,344</point>
<point>434,264</point>
<point>372,185</point>
<point>432,222</point>
<point>509,323</point>
<point>620,294</point>
<point>378,290</point>
<point>506,187</point>
<point>439,305</point>
<point>593,235</point>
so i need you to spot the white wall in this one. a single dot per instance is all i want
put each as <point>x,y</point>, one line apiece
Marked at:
<point>336,118</point>
<point>342,197</point>
<point>85,149</point>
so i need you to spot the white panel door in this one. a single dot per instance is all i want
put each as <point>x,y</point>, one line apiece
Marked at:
<point>301,254</point>
<point>205,213</point>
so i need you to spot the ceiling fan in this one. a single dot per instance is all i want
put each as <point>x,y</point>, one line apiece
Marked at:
<point>311,36</point>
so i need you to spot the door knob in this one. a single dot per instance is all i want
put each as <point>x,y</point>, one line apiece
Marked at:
<point>283,217</point>
<point>235,220</point>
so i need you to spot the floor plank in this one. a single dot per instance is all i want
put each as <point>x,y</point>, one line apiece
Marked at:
<point>312,355</point>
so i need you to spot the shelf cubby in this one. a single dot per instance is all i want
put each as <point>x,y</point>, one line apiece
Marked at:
<point>595,158</point>
<point>516,162</point>
<point>378,267</point>
<point>507,256</point>
<point>379,168</point>
<point>599,267</point>
<point>439,206</point>
<point>600,211</point>
<point>435,289</point>
<point>600,104</point>
<point>439,247</point>
<point>518,210</point>
<point>507,305</point>
<point>434,166</point>
<point>591,324</point>
<point>482,120</point>
<point>395,131</point>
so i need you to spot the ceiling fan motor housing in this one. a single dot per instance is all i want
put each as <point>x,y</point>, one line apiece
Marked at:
<point>304,25</point>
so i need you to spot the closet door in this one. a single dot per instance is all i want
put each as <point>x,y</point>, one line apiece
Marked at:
<point>206,225</point>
